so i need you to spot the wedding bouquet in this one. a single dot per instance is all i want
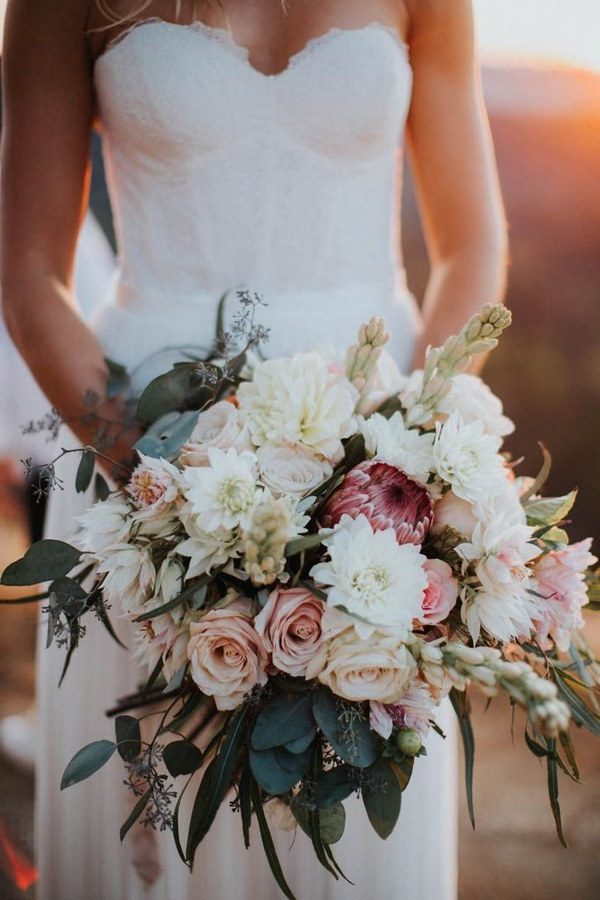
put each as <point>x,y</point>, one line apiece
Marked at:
<point>320,552</point>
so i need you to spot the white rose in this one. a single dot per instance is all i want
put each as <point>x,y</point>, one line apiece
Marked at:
<point>219,426</point>
<point>291,471</point>
<point>377,668</point>
<point>475,402</point>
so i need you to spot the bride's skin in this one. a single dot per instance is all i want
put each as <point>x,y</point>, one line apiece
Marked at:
<point>49,111</point>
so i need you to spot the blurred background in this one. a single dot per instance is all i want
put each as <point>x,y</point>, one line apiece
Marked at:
<point>541,73</point>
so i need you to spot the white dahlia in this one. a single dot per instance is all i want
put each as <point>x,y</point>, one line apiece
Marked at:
<point>222,494</point>
<point>475,402</point>
<point>377,580</point>
<point>467,458</point>
<point>299,401</point>
<point>406,448</point>
<point>206,549</point>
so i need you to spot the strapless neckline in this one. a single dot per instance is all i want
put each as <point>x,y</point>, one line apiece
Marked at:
<point>224,38</point>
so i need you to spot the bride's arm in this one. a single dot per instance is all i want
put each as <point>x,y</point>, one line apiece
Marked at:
<point>47,116</point>
<point>454,168</point>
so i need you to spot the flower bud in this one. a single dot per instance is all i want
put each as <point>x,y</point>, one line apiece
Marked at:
<point>408,741</point>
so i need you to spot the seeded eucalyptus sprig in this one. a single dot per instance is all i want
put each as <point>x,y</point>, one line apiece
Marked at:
<point>480,335</point>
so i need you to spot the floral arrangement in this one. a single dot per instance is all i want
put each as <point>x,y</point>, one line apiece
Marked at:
<point>316,553</point>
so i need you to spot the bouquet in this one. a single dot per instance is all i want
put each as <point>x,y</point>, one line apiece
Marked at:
<point>316,553</point>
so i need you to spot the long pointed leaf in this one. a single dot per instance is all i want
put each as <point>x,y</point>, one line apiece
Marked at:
<point>135,813</point>
<point>553,790</point>
<point>267,841</point>
<point>466,730</point>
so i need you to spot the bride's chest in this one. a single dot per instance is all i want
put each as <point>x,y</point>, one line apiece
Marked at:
<point>171,91</point>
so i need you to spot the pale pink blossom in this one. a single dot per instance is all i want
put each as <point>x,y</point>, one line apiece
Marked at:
<point>290,628</point>
<point>220,426</point>
<point>226,655</point>
<point>386,497</point>
<point>413,710</point>
<point>163,637</point>
<point>441,592</point>
<point>559,579</point>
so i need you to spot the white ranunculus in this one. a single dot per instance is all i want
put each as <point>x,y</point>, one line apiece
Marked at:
<point>370,575</point>
<point>406,448</point>
<point>298,401</point>
<point>222,494</point>
<point>475,402</point>
<point>377,668</point>
<point>467,458</point>
<point>287,470</point>
<point>130,575</point>
<point>103,525</point>
<point>219,426</point>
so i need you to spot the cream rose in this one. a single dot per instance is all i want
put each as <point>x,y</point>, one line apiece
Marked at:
<point>290,628</point>
<point>220,426</point>
<point>291,471</point>
<point>379,667</point>
<point>441,592</point>
<point>226,655</point>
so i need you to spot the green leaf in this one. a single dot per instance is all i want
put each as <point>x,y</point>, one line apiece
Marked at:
<point>549,510</point>
<point>403,769</point>
<point>553,789</point>
<point>535,747</point>
<point>87,761</point>
<point>300,744</point>
<point>189,708</point>
<point>245,795</point>
<point>101,487</point>
<point>129,737</point>
<point>304,542</point>
<point>334,785</point>
<point>354,452</point>
<point>135,813</point>
<point>286,719</point>
<point>580,711</point>
<point>182,758</point>
<point>85,470</point>
<point>382,797</point>
<point>166,437</point>
<point>460,704</point>
<point>277,770</point>
<point>179,389</point>
<point>267,841</point>
<point>186,595</point>
<point>390,406</point>
<point>118,378</point>
<point>216,782</point>
<point>44,561</point>
<point>540,478</point>
<point>332,821</point>
<point>354,743</point>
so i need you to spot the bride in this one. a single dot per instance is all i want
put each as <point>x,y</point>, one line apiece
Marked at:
<point>249,143</point>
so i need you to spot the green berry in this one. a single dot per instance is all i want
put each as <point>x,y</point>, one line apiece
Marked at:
<point>408,741</point>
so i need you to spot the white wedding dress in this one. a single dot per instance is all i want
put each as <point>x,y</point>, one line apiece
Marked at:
<point>221,178</point>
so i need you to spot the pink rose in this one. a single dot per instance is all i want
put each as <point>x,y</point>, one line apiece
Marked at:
<point>387,497</point>
<point>290,628</point>
<point>452,511</point>
<point>441,592</point>
<point>226,655</point>
<point>219,426</point>
<point>560,580</point>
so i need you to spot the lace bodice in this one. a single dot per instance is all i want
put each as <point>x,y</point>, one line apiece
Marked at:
<point>222,176</point>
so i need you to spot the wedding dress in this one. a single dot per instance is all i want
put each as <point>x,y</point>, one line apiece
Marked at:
<point>221,178</point>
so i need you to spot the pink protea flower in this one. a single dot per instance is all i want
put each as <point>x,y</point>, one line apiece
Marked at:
<point>387,497</point>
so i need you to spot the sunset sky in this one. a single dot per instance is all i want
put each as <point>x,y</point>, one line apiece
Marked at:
<point>565,30</point>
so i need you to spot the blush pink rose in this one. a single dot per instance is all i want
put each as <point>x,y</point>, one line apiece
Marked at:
<point>226,655</point>
<point>290,628</point>
<point>387,497</point>
<point>560,582</point>
<point>441,593</point>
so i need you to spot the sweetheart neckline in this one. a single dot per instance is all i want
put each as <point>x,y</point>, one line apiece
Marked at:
<point>221,36</point>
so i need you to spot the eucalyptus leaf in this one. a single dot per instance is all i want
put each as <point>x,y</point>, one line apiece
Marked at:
<point>179,389</point>
<point>129,738</point>
<point>166,436</point>
<point>277,770</point>
<point>101,487</point>
<point>44,561</point>
<point>301,744</point>
<point>118,379</point>
<point>182,758</point>
<point>335,785</point>
<point>332,821</point>
<point>382,797</point>
<point>354,742</point>
<point>87,761</point>
<point>85,471</point>
<point>286,719</point>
